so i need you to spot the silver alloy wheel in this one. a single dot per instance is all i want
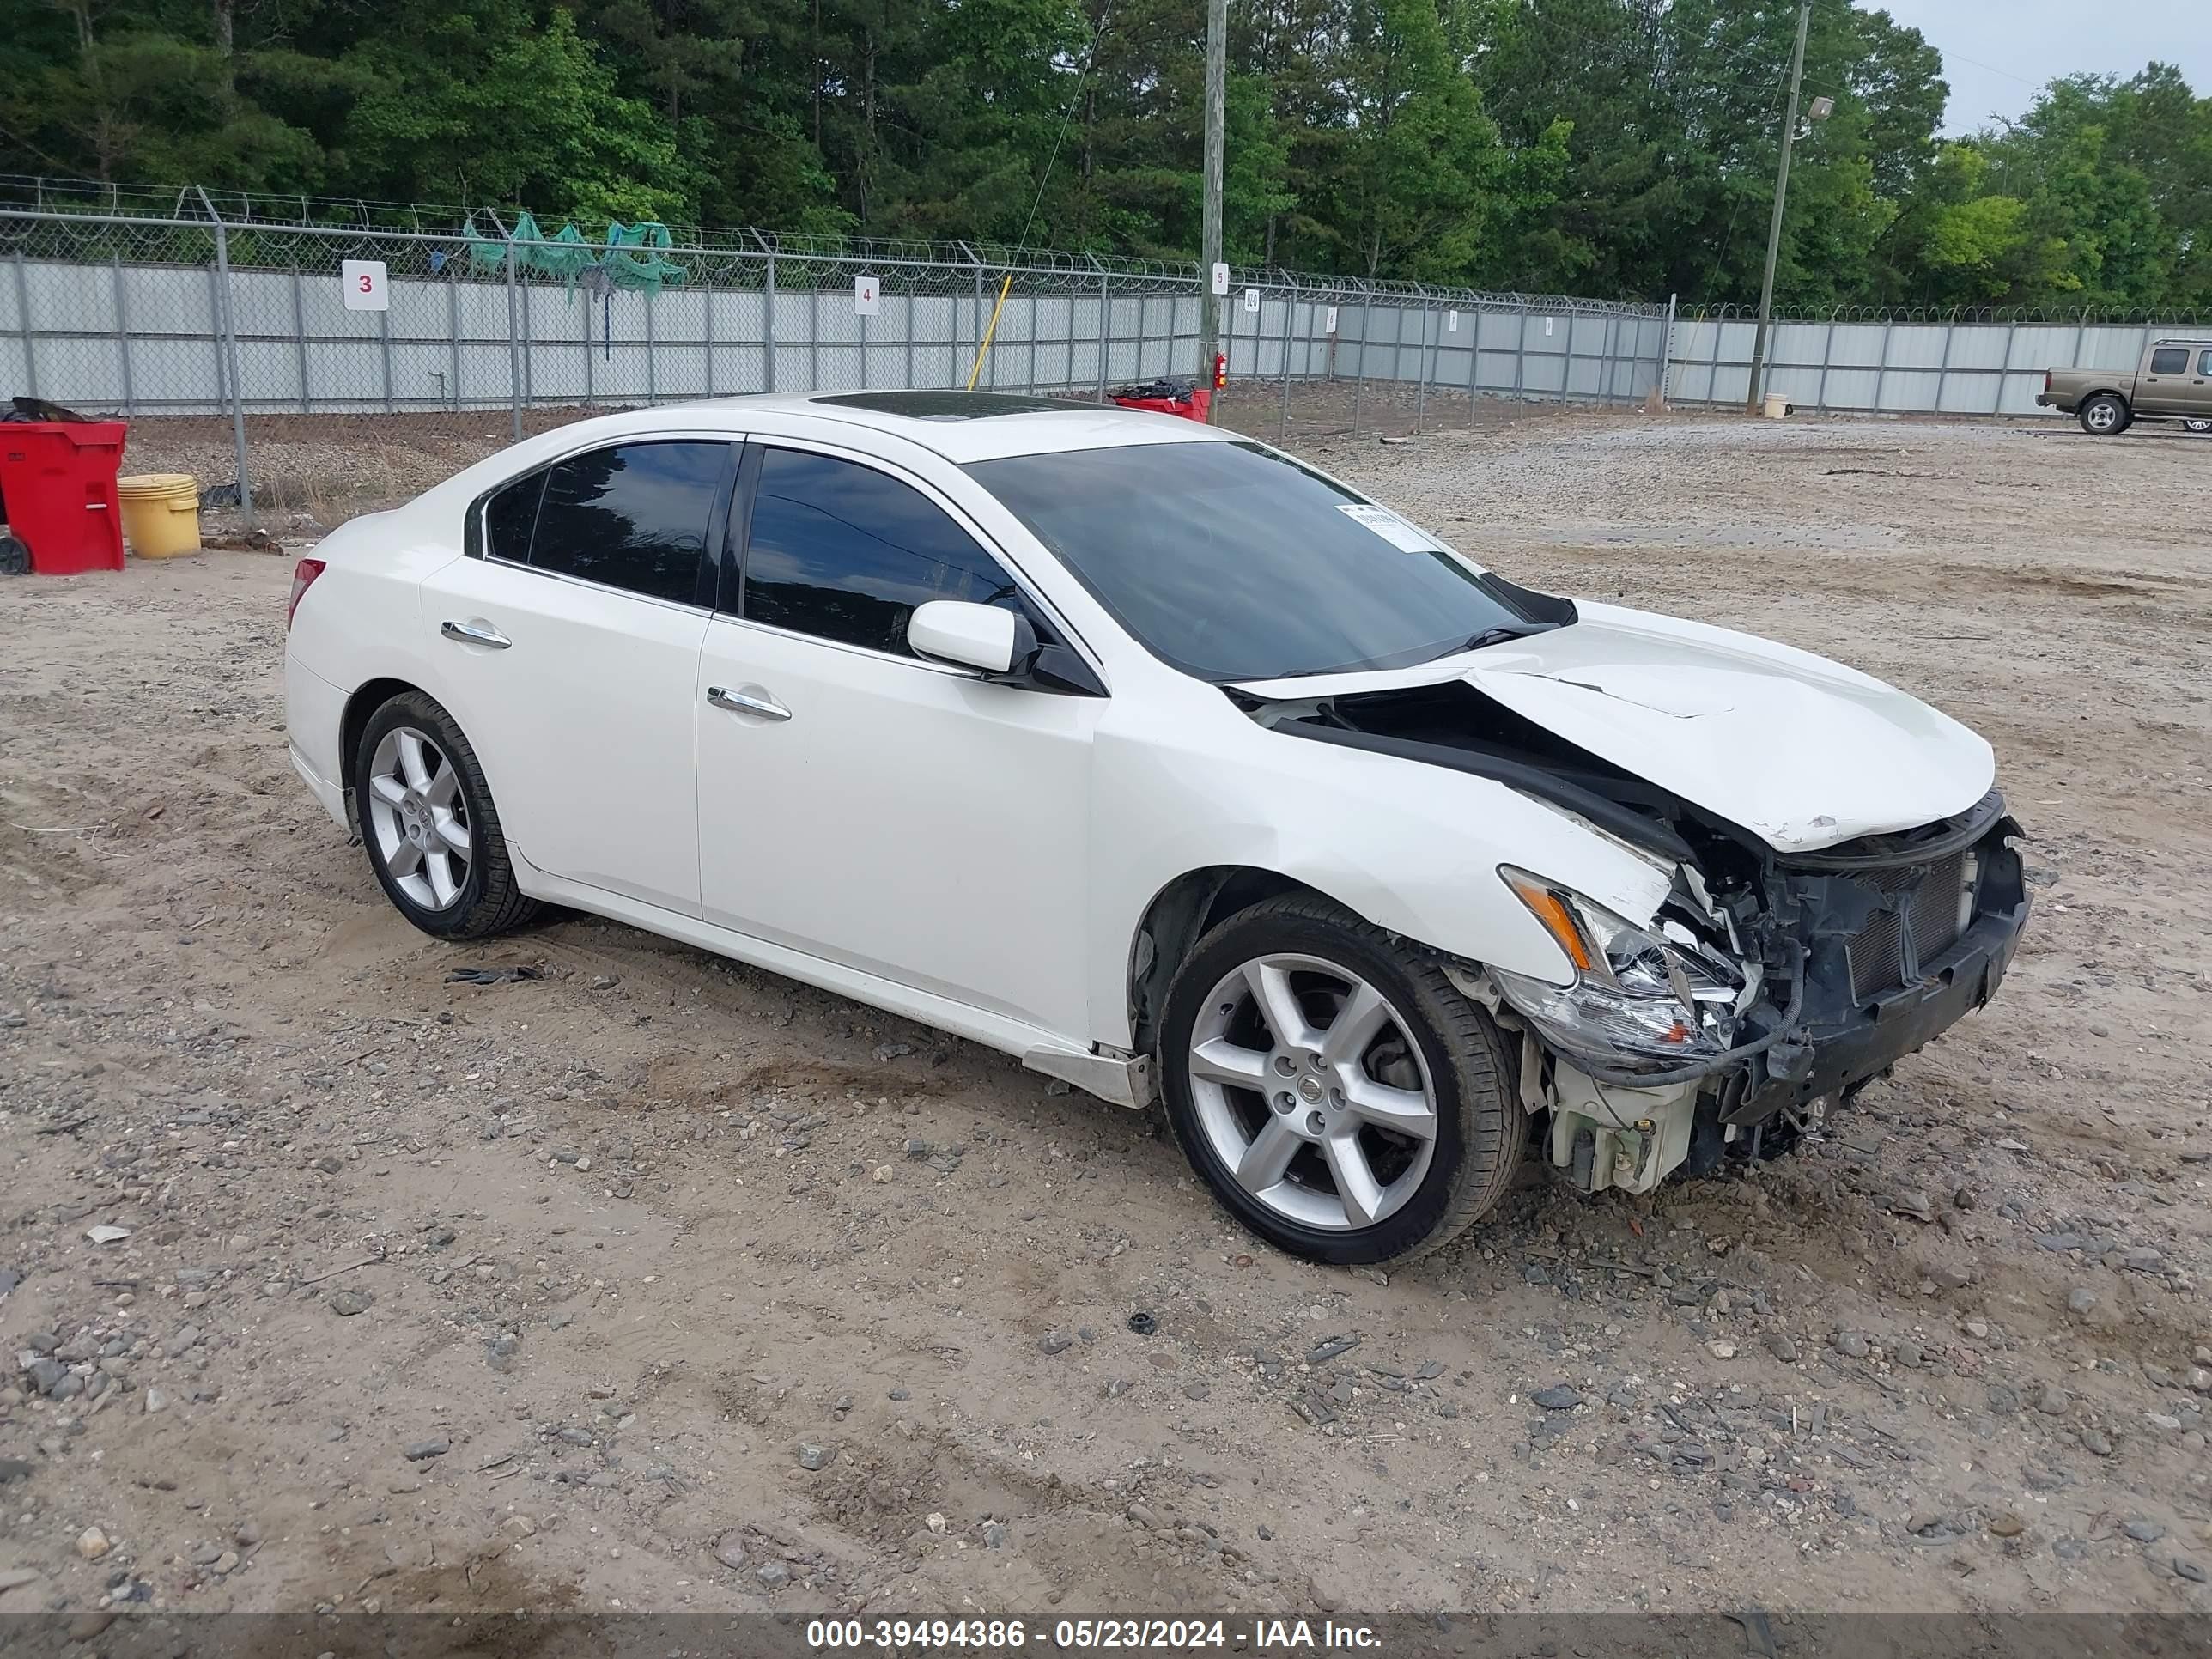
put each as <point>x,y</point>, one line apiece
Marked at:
<point>1312,1090</point>
<point>2103,416</point>
<point>420,818</point>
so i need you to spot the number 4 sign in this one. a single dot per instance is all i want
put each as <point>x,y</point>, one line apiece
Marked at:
<point>868,295</point>
<point>366,286</point>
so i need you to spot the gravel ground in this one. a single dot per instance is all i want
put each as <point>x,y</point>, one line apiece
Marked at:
<point>649,1281</point>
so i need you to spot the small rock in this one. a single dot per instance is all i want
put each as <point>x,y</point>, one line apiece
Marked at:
<point>227,1562</point>
<point>157,1399</point>
<point>882,1176</point>
<point>1850,1344</point>
<point>2095,1443</point>
<point>1917,1205</point>
<point>773,1574</point>
<point>1055,1342</point>
<point>346,1303</point>
<point>730,1551</point>
<point>2052,1402</point>
<point>1559,1398</point>
<point>811,1456</point>
<point>2007,1525</point>
<point>1324,1598</point>
<point>1721,1349</point>
<point>92,1543</point>
<point>248,1534</point>
<point>935,1523</point>
<point>2081,1301</point>
<point>994,1535</point>
<point>421,1450</point>
<point>1781,1347</point>
<point>2199,1380</point>
<point>182,1342</point>
<point>2144,1532</point>
<point>2185,1568</point>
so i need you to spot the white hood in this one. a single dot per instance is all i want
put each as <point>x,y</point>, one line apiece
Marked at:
<point>1790,746</point>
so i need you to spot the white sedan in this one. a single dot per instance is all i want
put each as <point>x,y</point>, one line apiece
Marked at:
<point>1152,756</point>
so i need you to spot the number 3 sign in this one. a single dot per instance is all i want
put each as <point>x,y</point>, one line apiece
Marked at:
<point>365,287</point>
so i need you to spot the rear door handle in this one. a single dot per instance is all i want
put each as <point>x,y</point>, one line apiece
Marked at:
<point>738,702</point>
<point>475,632</point>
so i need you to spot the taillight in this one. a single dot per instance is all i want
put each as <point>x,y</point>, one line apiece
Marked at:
<point>303,578</point>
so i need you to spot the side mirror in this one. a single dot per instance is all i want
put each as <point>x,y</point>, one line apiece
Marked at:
<point>985,636</point>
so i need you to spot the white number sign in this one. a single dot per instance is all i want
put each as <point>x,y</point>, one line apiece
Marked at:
<point>1251,299</point>
<point>367,286</point>
<point>1220,279</point>
<point>868,295</point>
<point>1451,322</point>
<point>1329,326</point>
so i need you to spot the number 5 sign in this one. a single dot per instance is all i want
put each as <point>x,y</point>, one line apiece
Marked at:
<point>366,287</point>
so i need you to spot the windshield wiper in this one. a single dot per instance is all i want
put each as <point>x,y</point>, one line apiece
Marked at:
<point>1500,634</point>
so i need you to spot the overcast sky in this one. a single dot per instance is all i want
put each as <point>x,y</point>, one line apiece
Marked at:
<point>2016,46</point>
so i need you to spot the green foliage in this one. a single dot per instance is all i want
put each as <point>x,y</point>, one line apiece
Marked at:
<point>1619,148</point>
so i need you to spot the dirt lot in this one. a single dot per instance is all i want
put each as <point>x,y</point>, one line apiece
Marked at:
<point>656,1282</point>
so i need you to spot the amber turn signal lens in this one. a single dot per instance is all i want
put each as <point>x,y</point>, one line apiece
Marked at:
<point>1552,910</point>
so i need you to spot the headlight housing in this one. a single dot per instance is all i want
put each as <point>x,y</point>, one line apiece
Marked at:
<point>1641,1001</point>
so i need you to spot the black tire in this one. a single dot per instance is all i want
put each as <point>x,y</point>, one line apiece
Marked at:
<point>2105,415</point>
<point>488,901</point>
<point>1482,1131</point>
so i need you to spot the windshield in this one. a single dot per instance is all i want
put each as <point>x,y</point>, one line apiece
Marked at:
<point>1233,563</point>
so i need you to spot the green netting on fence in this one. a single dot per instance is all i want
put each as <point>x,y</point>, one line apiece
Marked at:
<point>628,258</point>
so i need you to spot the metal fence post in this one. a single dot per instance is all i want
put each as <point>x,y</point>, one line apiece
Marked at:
<point>1421,373</point>
<point>23,325</point>
<point>227,320</point>
<point>1713,363</point>
<point>707,330</point>
<point>2004,371</point>
<point>652,352</point>
<point>814,332</point>
<point>768,326</point>
<point>1105,310</point>
<point>299,339</point>
<point>514,352</point>
<point>1520,353</point>
<point>590,384</point>
<point>910,306</point>
<point>1359,381</point>
<point>1283,418</point>
<point>123,338</point>
<point>384,350</point>
<point>1943,367</point>
<point>1882,368</point>
<point>453,334</point>
<point>1667,350</point>
<point>1473,359</point>
<point>1827,356</point>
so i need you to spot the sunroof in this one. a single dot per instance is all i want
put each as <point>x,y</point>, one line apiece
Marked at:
<point>947,405</point>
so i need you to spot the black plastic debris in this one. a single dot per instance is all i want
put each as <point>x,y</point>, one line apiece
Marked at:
<point>491,975</point>
<point>1143,1323</point>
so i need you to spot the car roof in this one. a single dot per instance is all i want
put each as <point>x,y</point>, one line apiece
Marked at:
<point>966,426</point>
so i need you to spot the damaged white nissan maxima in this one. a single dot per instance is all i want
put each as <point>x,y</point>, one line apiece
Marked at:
<point>1155,758</point>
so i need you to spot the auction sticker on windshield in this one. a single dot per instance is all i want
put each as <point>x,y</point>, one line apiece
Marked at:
<point>1390,527</point>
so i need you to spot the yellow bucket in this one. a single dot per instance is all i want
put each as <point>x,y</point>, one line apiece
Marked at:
<point>160,514</point>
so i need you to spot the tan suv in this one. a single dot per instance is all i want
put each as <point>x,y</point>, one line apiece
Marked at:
<point>2173,383</point>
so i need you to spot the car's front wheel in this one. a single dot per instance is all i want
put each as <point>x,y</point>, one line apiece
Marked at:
<point>2104,415</point>
<point>427,820</point>
<point>1341,1098</point>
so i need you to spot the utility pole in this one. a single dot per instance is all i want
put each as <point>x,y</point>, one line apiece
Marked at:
<point>1209,253</point>
<point>1754,394</point>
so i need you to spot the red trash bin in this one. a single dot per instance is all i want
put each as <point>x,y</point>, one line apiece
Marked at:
<point>58,493</point>
<point>1188,401</point>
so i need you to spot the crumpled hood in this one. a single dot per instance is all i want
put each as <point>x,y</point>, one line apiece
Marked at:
<point>1799,751</point>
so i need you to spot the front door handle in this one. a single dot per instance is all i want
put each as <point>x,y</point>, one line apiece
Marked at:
<point>738,702</point>
<point>475,632</point>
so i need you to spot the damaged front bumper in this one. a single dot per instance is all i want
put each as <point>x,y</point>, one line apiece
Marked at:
<point>1872,951</point>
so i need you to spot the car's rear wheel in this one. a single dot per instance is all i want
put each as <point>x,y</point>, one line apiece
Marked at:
<point>2198,425</point>
<point>1341,1097</point>
<point>2104,415</point>
<point>427,820</point>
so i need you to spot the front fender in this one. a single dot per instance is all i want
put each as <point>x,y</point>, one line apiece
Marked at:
<point>1410,847</point>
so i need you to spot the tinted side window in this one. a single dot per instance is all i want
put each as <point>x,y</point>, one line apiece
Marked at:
<point>840,550</point>
<point>2170,360</point>
<point>634,516</point>
<point>510,516</point>
<point>2204,364</point>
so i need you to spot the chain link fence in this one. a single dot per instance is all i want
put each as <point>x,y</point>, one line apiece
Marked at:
<point>1857,360</point>
<point>320,355</point>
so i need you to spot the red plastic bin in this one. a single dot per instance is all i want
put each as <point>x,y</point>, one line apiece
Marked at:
<point>58,493</point>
